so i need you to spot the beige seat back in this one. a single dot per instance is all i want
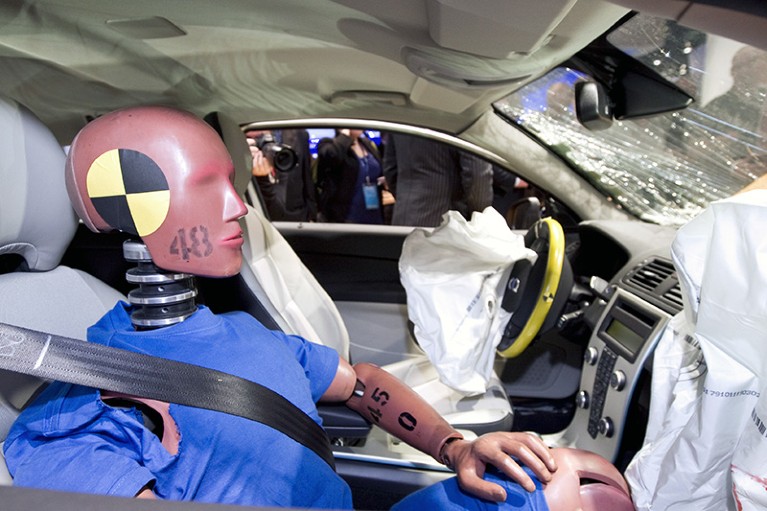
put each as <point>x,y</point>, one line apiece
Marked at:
<point>286,288</point>
<point>37,224</point>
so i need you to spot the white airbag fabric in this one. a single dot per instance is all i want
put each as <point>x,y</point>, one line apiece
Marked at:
<point>454,279</point>
<point>709,369</point>
<point>291,294</point>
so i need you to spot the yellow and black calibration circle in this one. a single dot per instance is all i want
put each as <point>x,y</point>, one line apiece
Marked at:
<point>129,191</point>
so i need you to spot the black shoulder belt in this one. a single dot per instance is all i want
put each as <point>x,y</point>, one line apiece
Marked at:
<point>69,360</point>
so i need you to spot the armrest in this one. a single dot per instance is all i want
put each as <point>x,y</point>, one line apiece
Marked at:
<point>342,422</point>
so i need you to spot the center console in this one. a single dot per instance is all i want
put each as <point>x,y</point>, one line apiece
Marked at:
<point>626,333</point>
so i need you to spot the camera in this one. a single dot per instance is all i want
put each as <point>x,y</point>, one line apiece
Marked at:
<point>282,157</point>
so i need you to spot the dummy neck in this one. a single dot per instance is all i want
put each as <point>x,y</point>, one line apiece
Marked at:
<point>162,298</point>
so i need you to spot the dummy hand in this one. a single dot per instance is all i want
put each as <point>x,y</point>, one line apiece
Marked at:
<point>468,459</point>
<point>261,165</point>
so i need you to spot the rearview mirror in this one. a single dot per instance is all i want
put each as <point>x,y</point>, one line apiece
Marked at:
<point>622,87</point>
<point>592,106</point>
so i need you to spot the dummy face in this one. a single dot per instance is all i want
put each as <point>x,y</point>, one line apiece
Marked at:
<point>165,176</point>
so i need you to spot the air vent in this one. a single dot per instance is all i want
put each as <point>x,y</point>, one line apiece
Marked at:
<point>656,280</point>
<point>651,274</point>
<point>674,295</point>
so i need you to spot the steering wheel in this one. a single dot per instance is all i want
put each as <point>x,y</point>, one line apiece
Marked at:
<point>532,288</point>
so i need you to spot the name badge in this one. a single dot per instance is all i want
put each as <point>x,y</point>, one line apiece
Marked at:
<point>370,192</point>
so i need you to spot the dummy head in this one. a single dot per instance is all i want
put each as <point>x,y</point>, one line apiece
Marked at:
<point>165,176</point>
<point>568,489</point>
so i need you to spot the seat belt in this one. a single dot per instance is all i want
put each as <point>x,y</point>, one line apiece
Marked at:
<point>55,357</point>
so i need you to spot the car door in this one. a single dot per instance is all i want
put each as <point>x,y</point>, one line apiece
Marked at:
<point>357,264</point>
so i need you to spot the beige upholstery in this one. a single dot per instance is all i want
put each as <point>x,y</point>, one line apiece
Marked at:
<point>286,288</point>
<point>36,226</point>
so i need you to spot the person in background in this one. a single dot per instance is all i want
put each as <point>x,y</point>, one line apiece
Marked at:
<point>288,194</point>
<point>350,179</point>
<point>429,178</point>
<point>508,190</point>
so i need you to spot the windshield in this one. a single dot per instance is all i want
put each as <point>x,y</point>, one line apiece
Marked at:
<point>663,169</point>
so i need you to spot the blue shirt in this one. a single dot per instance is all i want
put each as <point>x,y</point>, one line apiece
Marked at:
<point>68,439</point>
<point>447,495</point>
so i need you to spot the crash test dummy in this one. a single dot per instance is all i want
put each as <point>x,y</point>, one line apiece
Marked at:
<point>166,177</point>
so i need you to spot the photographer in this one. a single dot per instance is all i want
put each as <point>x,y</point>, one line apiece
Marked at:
<point>288,190</point>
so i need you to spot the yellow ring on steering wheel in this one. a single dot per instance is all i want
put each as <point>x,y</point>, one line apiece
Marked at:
<point>551,278</point>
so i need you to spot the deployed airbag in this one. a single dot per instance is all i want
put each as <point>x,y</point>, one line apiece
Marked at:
<point>705,439</point>
<point>454,279</point>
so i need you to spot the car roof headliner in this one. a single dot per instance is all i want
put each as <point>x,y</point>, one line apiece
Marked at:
<point>433,63</point>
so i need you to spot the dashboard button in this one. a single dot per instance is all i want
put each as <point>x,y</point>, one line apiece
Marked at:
<point>618,380</point>
<point>582,399</point>
<point>606,427</point>
<point>591,356</point>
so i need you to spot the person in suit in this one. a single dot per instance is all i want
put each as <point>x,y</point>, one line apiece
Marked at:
<point>429,178</point>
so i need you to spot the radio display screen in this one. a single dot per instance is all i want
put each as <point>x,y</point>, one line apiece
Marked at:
<point>625,336</point>
<point>626,327</point>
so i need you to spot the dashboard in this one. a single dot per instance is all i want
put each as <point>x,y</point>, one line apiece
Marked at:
<point>626,322</point>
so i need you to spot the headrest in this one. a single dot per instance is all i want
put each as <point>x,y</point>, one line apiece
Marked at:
<point>36,218</point>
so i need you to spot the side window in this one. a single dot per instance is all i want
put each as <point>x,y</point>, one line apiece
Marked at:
<point>367,176</point>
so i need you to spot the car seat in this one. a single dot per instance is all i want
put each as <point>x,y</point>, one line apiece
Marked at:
<point>37,224</point>
<point>295,300</point>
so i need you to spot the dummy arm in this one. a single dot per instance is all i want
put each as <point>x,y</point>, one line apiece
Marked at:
<point>393,406</point>
<point>397,409</point>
